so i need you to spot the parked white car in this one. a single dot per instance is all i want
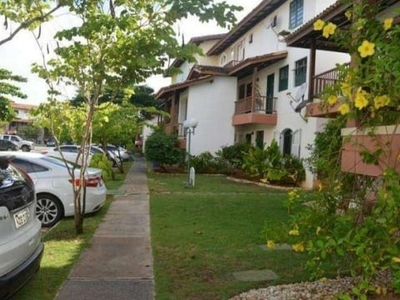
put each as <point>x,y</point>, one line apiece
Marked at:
<point>21,248</point>
<point>114,159</point>
<point>120,152</point>
<point>70,153</point>
<point>53,185</point>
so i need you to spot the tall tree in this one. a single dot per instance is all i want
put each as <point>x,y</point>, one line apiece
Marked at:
<point>19,15</point>
<point>7,91</point>
<point>120,44</point>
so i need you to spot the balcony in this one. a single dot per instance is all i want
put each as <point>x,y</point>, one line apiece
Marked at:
<point>320,82</point>
<point>174,128</point>
<point>255,110</point>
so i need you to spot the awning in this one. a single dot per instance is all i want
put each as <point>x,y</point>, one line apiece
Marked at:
<point>305,36</point>
<point>165,91</point>
<point>246,67</point>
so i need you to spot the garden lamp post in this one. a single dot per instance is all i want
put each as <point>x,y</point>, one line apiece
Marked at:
<point>189,125</point>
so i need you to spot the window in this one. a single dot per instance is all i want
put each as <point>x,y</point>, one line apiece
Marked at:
<point>283,78</point>
<point>300,71</point>
<point>242,91</point>
<point>249,90</point>
<point>251,38</point>
<point>71,148</point>
<point>29,167</point>
<point>296,13</point>
<point>248,138</point>
<point>245,90</point>
<point>287,142</point>
<point>223,60</point>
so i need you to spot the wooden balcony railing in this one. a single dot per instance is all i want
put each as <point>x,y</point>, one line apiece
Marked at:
<point>260,104</point>
<point>325,79</point>
<point>231,64</point>
<point>174,128</point>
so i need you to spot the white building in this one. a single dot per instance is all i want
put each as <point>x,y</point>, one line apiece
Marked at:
<point>250,86</point>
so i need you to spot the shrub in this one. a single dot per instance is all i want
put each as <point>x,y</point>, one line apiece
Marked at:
<point>294,168</point>
<point>163,149</point>
<point>269,165</point>
<point>234,154</point>
<point>101,161</point>
<point>255,162</point>
<point>207,163</point>
<point>326,149</point>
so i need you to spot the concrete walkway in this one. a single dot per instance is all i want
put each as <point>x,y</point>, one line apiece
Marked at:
<point>119,263</point>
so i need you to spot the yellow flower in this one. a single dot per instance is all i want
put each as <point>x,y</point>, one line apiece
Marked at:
<point>329,29</point>
<point>360,23</point>
<point>387,24</point>
<point>380,290</point>
<point>346,89</point>
<point>344,109</point>
<point>348,14</point>
<point>320,187</point>
<point>318,230</point>
<point>396,259</point>
<point>361,100</point>
<point>366,49</point>
<point>381,101</point>
<point>298,247</point>
<point>332,99</point>
<point>294,232</point>
<point>319,24</point>
<point>271,244</point>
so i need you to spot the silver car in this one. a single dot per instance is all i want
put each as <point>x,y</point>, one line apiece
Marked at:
<point>21,248</point>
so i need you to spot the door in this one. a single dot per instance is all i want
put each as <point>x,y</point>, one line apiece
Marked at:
<point>270,94</point>
<point>260,139</point>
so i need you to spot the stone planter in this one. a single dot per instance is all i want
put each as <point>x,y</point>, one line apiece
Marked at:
<point>355,141</point>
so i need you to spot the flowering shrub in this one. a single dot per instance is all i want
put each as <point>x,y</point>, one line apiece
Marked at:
<point>368,90</point>
<point>353,224</point>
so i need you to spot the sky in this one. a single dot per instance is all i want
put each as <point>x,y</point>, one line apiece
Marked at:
<point>19,54</point>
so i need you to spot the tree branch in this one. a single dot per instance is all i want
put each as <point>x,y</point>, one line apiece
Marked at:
<point>27,23</point>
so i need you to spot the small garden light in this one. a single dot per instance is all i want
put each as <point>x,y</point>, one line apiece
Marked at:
<point>189,125</point>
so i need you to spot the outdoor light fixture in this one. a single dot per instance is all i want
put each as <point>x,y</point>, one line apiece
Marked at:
<point>189,125</point>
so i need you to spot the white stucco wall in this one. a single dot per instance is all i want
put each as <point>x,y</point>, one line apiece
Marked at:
<point>266,40</point>
<point>212,104</point>
<point>147,130</point>
<point>200,60</point>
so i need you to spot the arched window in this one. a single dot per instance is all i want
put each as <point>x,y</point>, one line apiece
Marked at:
<point>287,136</point>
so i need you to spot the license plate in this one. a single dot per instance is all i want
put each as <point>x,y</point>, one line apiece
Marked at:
<point>21,218</point>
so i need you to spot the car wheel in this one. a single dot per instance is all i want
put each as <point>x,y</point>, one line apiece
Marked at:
<point>49,209</point>
<point>25,148</point>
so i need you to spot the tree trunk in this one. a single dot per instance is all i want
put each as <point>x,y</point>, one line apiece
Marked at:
<point>78,223</point>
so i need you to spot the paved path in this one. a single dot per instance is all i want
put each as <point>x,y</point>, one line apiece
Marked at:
<point>119,263</point>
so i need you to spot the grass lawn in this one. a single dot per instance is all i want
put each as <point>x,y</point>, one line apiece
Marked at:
<point>201,235</point>
<point>62,249</point>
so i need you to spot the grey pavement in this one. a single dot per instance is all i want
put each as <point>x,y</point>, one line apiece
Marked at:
<point>119,262</point>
